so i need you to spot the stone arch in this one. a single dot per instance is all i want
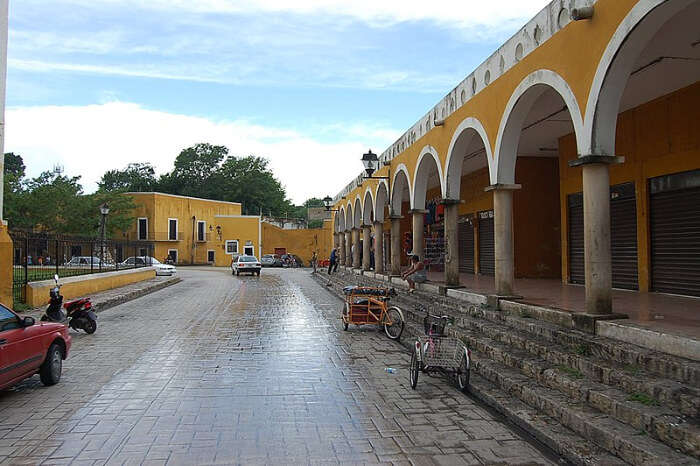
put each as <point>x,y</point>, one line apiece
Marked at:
<point>465,133</point>
<point>368,213</point>
<point>336,223</point>
<point>357,221</point>
<point>401,182</point>
<point>629,40</point>
<point>427,159</point>
<point>518,108</point>
<point>341,221</point>
<point>349,218</point>
<point>381,199</point>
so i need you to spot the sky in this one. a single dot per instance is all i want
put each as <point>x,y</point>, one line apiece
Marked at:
<point>310,85</point>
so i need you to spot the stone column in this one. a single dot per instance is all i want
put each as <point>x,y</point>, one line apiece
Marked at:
<point>348,248</point>
<point>418,227</point>
<point>596,231</point>
<point>341,248</point>
<point>396,245</point>
<point>378,247</point>
<point>451,242</point>
<point>503,236</point>
<point>356,252</point>
<point>366,243</point>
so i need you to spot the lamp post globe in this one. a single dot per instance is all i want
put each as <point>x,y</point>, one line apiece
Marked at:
<point>104,209</point>
<point>370,162</point>
<point>327,202</point>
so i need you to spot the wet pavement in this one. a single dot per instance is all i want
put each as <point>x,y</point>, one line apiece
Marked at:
<point>245,370</point>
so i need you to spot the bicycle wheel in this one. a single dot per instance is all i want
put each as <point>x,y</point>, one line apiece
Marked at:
<point>463,375</point>
<point>414,369</point>
<point>393,323</point>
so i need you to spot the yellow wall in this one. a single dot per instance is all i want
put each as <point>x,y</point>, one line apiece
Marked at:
<point>158,208</point>
<point>658,138</point>
<point>6,267</point>
<point>302,242</point>
<point>75,287</point>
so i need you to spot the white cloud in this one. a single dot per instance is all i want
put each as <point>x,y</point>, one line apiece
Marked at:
<point>89,140</point>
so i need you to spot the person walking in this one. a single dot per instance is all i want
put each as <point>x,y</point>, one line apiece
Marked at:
<point>333,263</point>
<point>314,259</point>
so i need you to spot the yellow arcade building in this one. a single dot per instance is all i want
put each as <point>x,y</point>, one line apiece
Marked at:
<point>572,153</point>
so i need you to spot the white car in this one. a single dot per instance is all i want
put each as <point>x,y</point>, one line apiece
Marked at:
<point>145,261</point>
<point>246,264</point>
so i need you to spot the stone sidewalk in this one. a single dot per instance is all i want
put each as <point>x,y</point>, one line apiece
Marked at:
<point>110,298</point>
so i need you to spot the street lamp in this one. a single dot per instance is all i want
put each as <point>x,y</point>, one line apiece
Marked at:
<point>104,210</point>
<point>328,203</point>
<point>218,230</point>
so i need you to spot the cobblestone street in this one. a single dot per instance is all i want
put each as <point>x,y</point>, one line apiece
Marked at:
<point>245,370</point>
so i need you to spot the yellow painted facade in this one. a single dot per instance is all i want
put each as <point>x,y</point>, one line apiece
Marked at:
<point>302,242</point>
<point>225,231</point>
<point>6,297</point>
<point>85,285</point>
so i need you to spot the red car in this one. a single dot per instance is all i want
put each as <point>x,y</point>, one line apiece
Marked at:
<point>27,348</point>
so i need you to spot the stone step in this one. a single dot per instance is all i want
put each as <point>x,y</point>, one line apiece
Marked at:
<point>627,443</point>
<point>554,367</point>
<point>633,369</point>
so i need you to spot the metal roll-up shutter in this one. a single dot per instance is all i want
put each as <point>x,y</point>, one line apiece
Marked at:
<point>623,236</point>
<point>466,245</point>
<point>576,257</point>
<point>675,233</point>
<point>487,251</point>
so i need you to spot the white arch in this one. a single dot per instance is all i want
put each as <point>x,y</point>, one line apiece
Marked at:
<point>453,170</point>
<point>341,223</point>
<point>368,209</point>
<point>519,105</point>
<point>420,177</point>
<point>349,218</point>
<point>396,202</point>
<point>380,200</point>
<point>357,222</point>
<point>610,80</point>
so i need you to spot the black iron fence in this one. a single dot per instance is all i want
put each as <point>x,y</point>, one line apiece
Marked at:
<point>38,256</point>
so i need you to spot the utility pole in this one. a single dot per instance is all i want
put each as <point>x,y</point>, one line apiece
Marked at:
<point>4,7</point>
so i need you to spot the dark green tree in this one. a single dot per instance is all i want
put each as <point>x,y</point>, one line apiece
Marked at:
<point>248,180</point>
<point>196,172</point>
<point>13,188</point>
<point>139,177</point>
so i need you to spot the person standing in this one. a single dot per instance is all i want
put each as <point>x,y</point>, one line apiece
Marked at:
<point>314,259</point>
<point>333,263</point>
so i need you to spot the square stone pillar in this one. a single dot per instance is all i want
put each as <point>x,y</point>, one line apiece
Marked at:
<point>356,249</point>
<point>341,248</point>
<point>6,267</point>
<point>418,228</point>
<point>396,245</point>
<point>596,231</point>
<point>503,237</point>
<point>366,243</point>
<point>378,247</point>
<point>451,242</point>
<point>348,249</point>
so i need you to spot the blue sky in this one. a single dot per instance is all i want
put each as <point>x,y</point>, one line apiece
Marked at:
<point>96,84</point>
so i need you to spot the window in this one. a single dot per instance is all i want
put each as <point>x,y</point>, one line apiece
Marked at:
<point>201,228</point>
<point>8,321</point>
<point>172,229</point>
<point>210,256</point>
<point>173,255</point>
<point>232,246</point>
<point>249,251</point>
<point>143,229</point>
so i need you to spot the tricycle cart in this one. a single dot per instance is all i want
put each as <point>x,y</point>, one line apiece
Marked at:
<point>437,353</point>
<point>370,306</point>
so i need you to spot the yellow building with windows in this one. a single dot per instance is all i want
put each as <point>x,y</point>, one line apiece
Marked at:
<point>194,231</point>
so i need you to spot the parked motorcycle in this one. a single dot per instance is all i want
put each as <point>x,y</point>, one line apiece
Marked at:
<point>78,312</point>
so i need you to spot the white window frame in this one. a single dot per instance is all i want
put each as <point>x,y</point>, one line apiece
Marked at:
<point>232,241</point>
<point>177,255</point>
<point>204,231</point>
<point>212,251</point>
<point>177,228</point>
<point>138,230</point>
<point>251,247</point>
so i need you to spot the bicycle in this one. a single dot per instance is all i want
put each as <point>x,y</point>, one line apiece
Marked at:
<point>369,305</point>
<point>437,353</point>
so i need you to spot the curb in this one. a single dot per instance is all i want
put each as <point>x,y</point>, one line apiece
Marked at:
<point>102,306</point>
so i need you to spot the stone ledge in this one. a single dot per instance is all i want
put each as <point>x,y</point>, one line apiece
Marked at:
<point>467,296</point>
<point>676,345</point>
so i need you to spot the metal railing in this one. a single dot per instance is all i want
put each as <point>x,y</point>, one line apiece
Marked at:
<point>38,256</point>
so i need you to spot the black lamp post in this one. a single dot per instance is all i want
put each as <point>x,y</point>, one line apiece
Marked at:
<point>371,163</point>
<point>328,203</point>
<point>104,211</point>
